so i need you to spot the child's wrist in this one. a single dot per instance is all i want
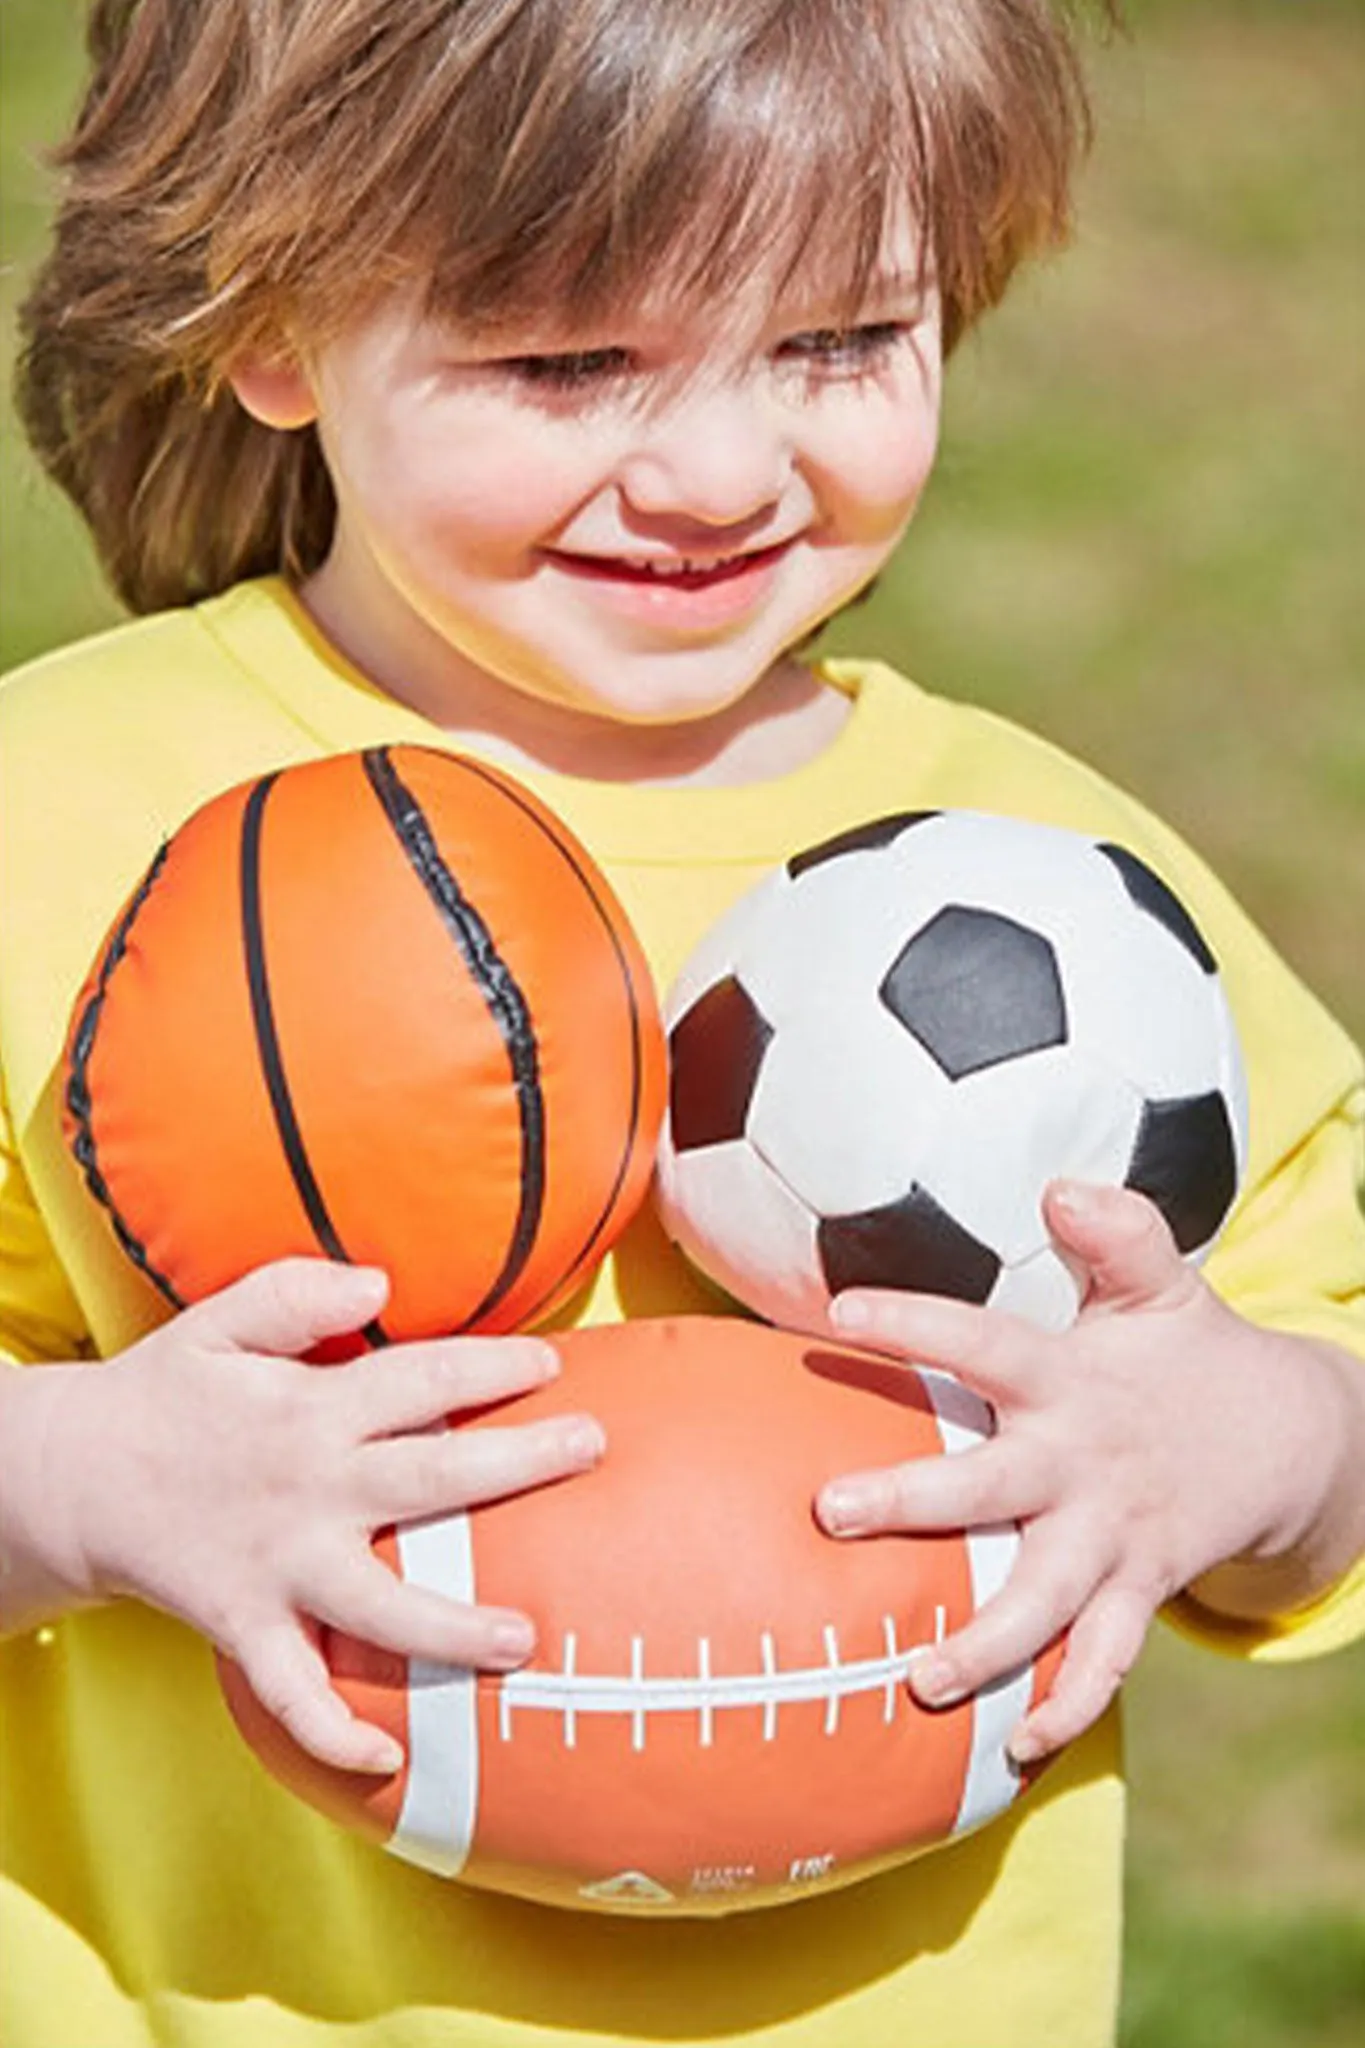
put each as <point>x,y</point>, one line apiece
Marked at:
<point>1316,1530</point>
<point>47,1439</point>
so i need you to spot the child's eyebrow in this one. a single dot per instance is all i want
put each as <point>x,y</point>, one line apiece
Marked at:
<point>882,289</point>
<point>892,283</point>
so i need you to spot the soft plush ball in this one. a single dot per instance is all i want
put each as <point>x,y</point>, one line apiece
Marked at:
<point>886,1050</point>
<point>380,1007</point>
<point>717,1713</point>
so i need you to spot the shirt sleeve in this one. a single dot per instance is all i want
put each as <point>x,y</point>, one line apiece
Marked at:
<point>39,1315</point>
<point>1293,1256</point>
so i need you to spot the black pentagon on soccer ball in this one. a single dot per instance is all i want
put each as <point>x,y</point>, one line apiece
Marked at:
<point>1152,895</point>
<point>716,1049</point>
<point>976,988</point>
<point>909,1243</point>
<point>858,839</point>
<point>1185,1160</point>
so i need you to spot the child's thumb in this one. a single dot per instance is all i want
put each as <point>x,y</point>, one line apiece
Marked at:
<point>1122,1240</point>
<point>294,1304</point>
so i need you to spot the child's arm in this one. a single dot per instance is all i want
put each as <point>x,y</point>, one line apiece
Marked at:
<point>209,1472</point>
<point>1161,1443</point>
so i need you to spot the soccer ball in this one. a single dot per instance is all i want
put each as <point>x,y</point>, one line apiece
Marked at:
<point>884,1052</point>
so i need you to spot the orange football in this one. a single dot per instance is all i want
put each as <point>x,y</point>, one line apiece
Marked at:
<point>381,1007</point>
<point>716,1715</point>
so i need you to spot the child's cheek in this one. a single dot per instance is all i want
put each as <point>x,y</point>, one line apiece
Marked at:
<point>477,506</point>
<point>872,447</point>
<point>881,472</point>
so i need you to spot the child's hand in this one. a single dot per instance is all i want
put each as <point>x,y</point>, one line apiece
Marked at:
<point>1158,1437</point>
<point>209,1472</point>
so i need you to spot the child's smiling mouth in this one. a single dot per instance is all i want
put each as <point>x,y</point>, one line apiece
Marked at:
<point>668,571</point>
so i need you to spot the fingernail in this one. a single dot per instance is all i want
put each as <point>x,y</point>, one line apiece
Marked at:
<point>849,1312</point>
<point>1024,1747</point>
<point>934,1681</point>
<point>845,1508</point>
<point>1075,1198</point>
<point>387,1755</point>
<point>546,1361</point>
<point>514,1637</point>
<point>585,1442</point>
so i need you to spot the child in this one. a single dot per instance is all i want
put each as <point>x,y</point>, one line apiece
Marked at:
<point>533,377</point>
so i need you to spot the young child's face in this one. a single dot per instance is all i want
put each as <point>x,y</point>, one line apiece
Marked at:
<point>635,523</point>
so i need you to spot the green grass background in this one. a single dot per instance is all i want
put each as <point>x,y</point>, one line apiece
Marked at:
<point>1144,539</point>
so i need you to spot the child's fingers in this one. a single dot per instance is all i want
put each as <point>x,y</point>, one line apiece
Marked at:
<point>1123,1240</point>
<point>1005,1360</point>
<point>1101,1650</point>
<point>364,1599</point>
<point>414,1385</point>
<point>1054,1575</point>
<point>408,1478</point>
<point>289,1677</point>
<point>284,1309</point>
<point>989,1484</point>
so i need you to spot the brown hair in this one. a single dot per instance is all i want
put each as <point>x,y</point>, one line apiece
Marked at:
<point>242,164</point>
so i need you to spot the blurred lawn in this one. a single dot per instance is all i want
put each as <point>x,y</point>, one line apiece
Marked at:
<point>1145,539</point>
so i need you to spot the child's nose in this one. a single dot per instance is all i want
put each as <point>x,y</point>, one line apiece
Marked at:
<point>719,456</point>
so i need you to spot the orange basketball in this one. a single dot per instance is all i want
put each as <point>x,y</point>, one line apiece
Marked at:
<point>381,1007</point>
<point>717,1715</point>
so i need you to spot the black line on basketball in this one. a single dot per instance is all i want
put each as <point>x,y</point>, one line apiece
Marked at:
<point>569,854</point>
<point>78,1084</point>
<point>506,1003</point>
<point>268,1042</point>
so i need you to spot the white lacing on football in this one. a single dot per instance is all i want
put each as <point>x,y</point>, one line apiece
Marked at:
<point>570,1692</point>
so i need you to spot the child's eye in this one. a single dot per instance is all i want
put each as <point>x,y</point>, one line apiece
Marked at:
<point>843,350</point>
<point>575,370</point>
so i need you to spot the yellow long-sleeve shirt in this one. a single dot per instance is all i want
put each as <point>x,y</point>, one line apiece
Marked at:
<point>155,1886</point>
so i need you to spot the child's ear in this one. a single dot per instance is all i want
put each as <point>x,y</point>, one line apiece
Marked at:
<point>275,390</point>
